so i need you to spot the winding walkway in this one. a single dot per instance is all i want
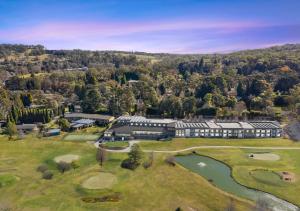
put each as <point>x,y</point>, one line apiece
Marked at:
<point>126,150</point>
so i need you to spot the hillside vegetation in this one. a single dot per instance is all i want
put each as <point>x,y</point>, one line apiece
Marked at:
<point>252,84</point>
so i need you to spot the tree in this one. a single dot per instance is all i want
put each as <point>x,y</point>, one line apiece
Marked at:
<point>171,106</point>
<point>11,129</point>
<point>189,105</point>
<point>63,166</point>
<point>91,101</point>
<point>101,155</point>
<point>64,124</point>
<point>135,155</point>
<point>26,99</point>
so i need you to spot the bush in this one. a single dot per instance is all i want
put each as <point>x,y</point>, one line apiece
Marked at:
<point>127,164</point>
<point>170,160</point>
<point>63,166</point>
<point>47,175</point>
<point>42,168</point>
<point>75,164</point>
<point>146,164</point>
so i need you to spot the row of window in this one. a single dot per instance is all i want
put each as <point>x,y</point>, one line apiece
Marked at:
<point>146,133</point>
<point>227,133</point>
<point>148,124</point>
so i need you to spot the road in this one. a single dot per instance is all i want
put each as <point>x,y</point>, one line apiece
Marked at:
<point>126,150</point>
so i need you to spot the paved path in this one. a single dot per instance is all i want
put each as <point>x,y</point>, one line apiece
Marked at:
<point>126,150</point>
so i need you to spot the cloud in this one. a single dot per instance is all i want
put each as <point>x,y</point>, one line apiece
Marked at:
<point>175,36</point>
<point>66,30</point>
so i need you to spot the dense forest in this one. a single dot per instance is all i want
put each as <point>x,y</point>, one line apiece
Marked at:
<point>245,84</point>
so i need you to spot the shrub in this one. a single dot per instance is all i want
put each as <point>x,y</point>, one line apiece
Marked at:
<point>63,166</point>
<point>47,175</point>
<point>146,164</point>
<point>127,164</point>
<point>42,168</point>
<point>75,164</point>
<point>170,160</point>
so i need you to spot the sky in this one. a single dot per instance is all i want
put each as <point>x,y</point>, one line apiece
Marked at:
<point>170,26</point>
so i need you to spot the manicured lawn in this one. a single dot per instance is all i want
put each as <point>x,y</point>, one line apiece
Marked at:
<point>113,144</point>
<point>80,137</point>
<point>243,168</point>
<point>161,187</point>
<point>267,177</point>
<point>181,143</point>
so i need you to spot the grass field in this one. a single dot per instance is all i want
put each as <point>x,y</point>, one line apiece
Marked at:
<point>81,137</point>
<point>181,143</point>
<point>267,177</point>
<point>161,187</point>
<point>243,168</point>
<point>116,144</point>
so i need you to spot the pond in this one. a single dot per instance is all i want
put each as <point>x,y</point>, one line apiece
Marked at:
<point>219,174</point>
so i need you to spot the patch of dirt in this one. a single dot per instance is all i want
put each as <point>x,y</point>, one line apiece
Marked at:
<point>287,176</point>
<point>69,158</point>
<point>100,181</point>
<point>264,156</point>
<point>108,198</point>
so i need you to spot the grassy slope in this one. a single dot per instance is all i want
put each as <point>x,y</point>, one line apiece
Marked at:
<point>159,188</point>
<point>181,143</point>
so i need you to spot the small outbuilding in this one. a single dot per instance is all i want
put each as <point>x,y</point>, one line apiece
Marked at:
<point>52,132</point>
<point>27,127</point>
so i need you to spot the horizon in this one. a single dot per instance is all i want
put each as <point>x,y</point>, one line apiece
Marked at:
<point>171,26</point>
<point>145,52</point>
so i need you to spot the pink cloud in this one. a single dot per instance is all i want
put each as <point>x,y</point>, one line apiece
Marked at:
<point>81,30</point>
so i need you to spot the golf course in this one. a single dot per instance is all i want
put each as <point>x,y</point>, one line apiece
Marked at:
<point>89,186</point>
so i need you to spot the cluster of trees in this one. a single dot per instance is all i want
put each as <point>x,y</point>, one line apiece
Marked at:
<point>247,83</point>
<point>17,115</point>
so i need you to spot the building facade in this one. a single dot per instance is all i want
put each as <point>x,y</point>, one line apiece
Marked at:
<point>138,127</point>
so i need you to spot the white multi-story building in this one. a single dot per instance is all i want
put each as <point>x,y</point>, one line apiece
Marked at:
<point>130,127</point>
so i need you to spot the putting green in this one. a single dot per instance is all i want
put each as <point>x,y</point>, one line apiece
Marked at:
<point>69,158</point>
<point>100,181</point>
<point>267,177</point>
<point>81,137</point>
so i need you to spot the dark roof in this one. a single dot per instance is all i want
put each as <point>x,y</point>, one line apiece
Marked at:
<point>265,125</point>
<point>89,116</point>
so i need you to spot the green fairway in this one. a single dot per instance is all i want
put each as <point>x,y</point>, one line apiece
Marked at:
<point>160,187</point>
<point>81,137</point>
<point>181,143</point>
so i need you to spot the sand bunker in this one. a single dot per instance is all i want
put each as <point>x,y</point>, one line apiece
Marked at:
<point>100,181</point>
<point>69,158</point>
<point>264,156</point>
